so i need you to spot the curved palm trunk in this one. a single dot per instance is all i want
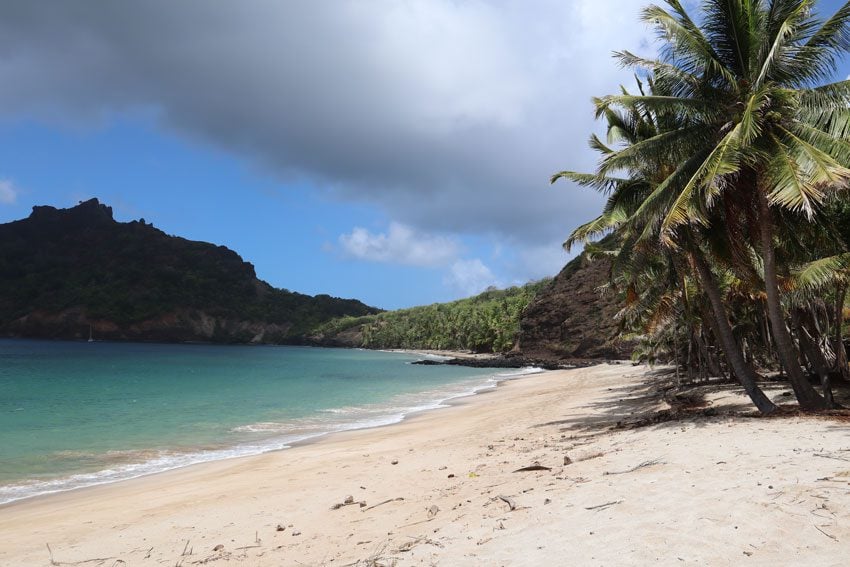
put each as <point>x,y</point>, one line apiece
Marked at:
<point>838,339</point>
<point>813,354</point>
<point>807,396</point>
<point>734,355</point>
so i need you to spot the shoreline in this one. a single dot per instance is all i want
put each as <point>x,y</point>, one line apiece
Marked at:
<point>273,445</point>
<point>447,487</point>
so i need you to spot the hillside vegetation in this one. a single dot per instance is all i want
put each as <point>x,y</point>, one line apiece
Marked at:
<point>488,322</point>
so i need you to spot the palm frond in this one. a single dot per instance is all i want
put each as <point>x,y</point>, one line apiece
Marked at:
<point>723,160</point>
<point>820,273</point>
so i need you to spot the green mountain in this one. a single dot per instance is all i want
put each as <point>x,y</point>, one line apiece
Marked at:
<point>66,271</point>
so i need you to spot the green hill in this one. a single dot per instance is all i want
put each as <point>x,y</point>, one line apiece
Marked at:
<point>64,270</point>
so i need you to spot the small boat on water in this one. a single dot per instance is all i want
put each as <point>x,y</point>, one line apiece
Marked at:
<point>91,339</point>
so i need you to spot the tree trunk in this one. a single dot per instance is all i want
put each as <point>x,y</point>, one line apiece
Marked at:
<point>807,396</point>
<point>837,336</point>
<point>734,355</point>
<point>710,362</point>
<point>812,352</point>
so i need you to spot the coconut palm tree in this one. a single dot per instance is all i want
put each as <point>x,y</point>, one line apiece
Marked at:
<point>763,131</point>
<point>642,132</point>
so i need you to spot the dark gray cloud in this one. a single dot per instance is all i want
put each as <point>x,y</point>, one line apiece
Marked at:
<point>448,114</point>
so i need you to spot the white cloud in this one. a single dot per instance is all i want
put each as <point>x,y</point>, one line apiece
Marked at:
<point>400,245</point>
<point>470,277</point>
<point>8,192</point>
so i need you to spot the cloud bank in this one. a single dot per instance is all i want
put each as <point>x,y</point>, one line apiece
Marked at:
<point>448,115</point>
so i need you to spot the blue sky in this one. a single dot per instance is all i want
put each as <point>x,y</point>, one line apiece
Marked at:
<point>289,231</point>
<point>402,162</point>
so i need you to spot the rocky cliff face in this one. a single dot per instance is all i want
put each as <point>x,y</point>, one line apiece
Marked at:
<point>65,271</point>
<point>569,319</point>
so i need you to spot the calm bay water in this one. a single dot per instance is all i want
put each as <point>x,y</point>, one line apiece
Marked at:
<point>75,414</point>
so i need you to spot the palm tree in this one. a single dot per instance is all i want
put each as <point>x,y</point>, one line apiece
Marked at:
<point>629,210</point>
<point>761,131</point>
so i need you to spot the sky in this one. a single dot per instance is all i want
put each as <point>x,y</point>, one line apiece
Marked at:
<point>394,151</point>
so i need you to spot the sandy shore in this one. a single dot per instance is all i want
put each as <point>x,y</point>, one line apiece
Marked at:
<point>711,491</point>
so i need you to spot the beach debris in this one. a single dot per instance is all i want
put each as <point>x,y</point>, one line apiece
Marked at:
<point>473,475</point>
<point>399,499</point>
<point>567,460</point>
<point>547,501</point>
<point>509,501</point>
<point>408,545</point>
<point>394,462</point>
<point>296,533</point>
<point>443,468</point>
<point>451,475</point>
<point>219,547</point>
<point>830,536</point>
<point>280,528</point>
<point>534,467</point>
<point>636,467</point>
<point>433,510</point>
<point>349,500</point>
<point>603,506</point>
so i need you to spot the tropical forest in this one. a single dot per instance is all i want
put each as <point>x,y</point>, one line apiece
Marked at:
<point>725,168</point>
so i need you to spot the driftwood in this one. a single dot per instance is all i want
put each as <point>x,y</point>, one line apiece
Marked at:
<point>399,499</point>
<point>640,466</point>
<point>603,506</point>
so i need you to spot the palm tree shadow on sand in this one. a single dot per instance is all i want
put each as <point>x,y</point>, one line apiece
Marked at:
<point>657,400</point>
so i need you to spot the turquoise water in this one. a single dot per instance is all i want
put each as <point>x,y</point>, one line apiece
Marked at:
<point>75,414</point>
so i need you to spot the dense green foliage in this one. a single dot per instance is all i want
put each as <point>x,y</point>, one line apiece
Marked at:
<point>726,177</point>
<point>488,322</point>
<point>81,258</point>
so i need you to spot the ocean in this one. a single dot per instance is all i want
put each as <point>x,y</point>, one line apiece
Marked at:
<point>76,414</point>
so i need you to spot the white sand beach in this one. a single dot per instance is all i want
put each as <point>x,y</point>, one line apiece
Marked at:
<point>440,489</point>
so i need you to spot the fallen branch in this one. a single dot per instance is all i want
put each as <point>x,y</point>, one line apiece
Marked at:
<point>640,466</point>
<point>832,537</point>
<point>84,561</point>
<point>603,506</point>
<point>399,499</point>
<point>830,457</point>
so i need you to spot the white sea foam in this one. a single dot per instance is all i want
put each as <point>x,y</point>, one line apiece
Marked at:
<point>271,436</point>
